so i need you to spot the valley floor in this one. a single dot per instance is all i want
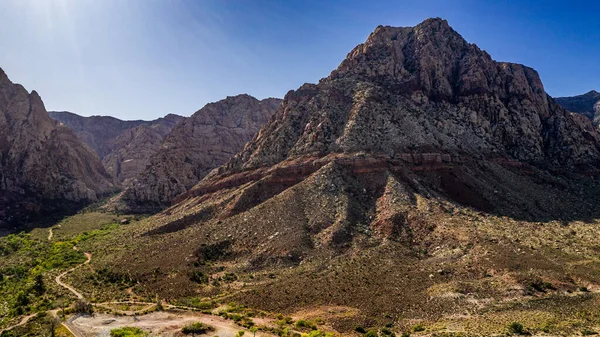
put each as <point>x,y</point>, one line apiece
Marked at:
<point>521,291</point>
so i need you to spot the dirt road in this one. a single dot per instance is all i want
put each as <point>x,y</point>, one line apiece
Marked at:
<point>23,321</point>
<point>68,287</point>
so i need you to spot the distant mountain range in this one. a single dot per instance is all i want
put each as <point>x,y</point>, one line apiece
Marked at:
<point>586,104</point>
<point>123,146</point>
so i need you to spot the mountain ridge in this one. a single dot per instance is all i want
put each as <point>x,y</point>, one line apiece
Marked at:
<point>193,148</point>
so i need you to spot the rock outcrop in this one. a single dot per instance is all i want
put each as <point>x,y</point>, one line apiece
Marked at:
<point>207,139</point>
<point>130,152</point>
<point>43,166</point>
<point>586,104</point>
<point>422,89</point>
<point>123,146</point>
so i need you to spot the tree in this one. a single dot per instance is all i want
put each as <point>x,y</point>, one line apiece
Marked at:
<point>53,324</point>
<point>253,330</point>
<point>83,307</point>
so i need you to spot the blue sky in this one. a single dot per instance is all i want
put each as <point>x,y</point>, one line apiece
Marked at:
<point>146,58</point>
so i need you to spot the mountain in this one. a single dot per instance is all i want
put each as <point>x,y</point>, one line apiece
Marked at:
<point>43,166</point>
<point>198,144</point>
<point>586,104</point>
<point>130,152</point>
<point>419,180</point>
<point>123,146</point>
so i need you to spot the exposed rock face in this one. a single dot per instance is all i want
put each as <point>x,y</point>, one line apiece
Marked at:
<point>586,104</point>
<point>131,151</point>
<point>422,89</point>
<point>43,166</point>
<point>96,131</point>
<point>207,139</point>
<point>123,146</point>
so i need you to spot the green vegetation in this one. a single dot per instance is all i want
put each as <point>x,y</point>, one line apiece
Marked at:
<point>24,262</point>
<point>371,333</point>
<point>197,328</point>
<point>26,259</point>
<point>418,327</point>
<point>516,328</point>
<point>301,323</point>
<point>128,332</point>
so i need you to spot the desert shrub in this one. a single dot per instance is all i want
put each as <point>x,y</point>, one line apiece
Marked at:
<point>371,333</point>
<point>588,332</point>
<point>516,327</point>
<point>128,332</point>
<point>198,276</point>
<point>418,327</point>
<point>229,277</point>
<point>197,328</point>
<point>387,332</point>
<point>83,307</point>
<point>301,323</point>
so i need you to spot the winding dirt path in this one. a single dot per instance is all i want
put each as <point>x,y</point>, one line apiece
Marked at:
<point>68,287</point>
<point>50,234</point>
<point>23,321</point>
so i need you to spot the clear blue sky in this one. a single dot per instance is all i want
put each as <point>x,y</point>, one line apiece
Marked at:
<point>145,58</point>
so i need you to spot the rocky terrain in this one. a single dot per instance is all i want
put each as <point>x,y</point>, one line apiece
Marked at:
<point>43,166</point>
<point>421,181</point>
<point>123,146</point>
<point>207,139</point>
<point>420,189</point>
<point>586,104</point>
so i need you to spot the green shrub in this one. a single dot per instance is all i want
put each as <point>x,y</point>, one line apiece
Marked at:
<point>128,332</point>
<point>371,333</point>
<point>418,327</point>
<point>197,328</point>
<point>301,323</point>
<point>588,332</point>
<point>198,277</point>
<point>516,327</point>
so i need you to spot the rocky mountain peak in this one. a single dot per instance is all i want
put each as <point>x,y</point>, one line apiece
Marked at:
<point>410,90</point>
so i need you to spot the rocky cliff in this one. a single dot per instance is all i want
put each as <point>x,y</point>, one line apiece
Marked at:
<point>586,104</point>
<point>207,139</point>
<point>123,146</point>
<point>130,152</point>
<point>43,166</point>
